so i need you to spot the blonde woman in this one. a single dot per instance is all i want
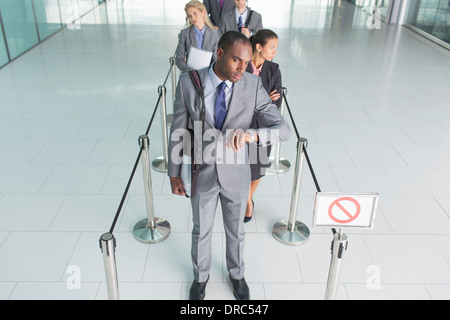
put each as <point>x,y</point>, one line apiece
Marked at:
<point>200,33</point>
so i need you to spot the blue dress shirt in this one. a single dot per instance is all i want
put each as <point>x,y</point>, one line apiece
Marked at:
<point>199,35</point>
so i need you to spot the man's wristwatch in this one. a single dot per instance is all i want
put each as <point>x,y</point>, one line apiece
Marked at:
<point>252,134</point>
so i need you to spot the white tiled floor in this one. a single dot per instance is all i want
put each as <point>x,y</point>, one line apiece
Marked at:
<point>373,104</point>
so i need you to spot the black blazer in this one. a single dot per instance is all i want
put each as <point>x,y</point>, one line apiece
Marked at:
<point>270,78</point>
<point>213,9</point>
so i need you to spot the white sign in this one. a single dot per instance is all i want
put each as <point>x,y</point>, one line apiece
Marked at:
<point>345,210</point>
<point>198,58</point>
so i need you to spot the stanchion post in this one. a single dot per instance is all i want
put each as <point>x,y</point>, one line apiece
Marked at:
<point>173,77</point>
<point>151,229</point>
<point>173,72</point>
<point>160,163</point>
<point>277,165</point>
<point>338,247</point>
<point>108,248</point>
<point>293,232</point>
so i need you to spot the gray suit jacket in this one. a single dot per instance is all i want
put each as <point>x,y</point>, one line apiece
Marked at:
<point>232,169</point>
<point>187,39</point>
<point>228,22</point>
<point>213,8</point>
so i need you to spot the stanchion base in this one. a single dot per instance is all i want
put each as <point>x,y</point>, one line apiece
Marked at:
<point>143,233</point>
<point>159,164</point>
<point>282,233</point>
<point>282,167</point>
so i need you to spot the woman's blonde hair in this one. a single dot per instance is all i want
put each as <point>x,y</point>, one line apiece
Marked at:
<point>200,7</point>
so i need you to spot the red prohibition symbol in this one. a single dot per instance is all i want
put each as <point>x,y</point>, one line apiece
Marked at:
<point>340,208</point>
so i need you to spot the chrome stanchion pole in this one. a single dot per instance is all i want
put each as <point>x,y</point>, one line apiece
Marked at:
<point>174,77</point>
<point>173,71</point>
<point>160,163</point>
<point>108,247</point>
<point>278,165</point>
<point>293,232</point>
<point>338,247</point>
<point>151,229</point>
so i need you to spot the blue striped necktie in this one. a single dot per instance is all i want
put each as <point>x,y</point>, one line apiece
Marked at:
<point>240,24</point>
<point>221,107</point>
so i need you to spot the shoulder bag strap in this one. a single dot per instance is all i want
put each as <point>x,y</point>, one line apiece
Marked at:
<point>199,88</point>
<point>249,17</point>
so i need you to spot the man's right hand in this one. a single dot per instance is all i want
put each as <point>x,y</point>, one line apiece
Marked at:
<point>177,186</point>
<point>246,32</point>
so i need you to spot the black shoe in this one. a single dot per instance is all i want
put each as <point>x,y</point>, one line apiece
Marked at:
<point>197,291</point>
<point>240,289</point>
<point>247,219</point>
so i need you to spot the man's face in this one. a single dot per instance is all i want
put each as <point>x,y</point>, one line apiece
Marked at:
<point>240,4</point>
<point>233,62</point>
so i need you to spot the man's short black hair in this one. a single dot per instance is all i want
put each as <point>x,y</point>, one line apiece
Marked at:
<point>230,37</point>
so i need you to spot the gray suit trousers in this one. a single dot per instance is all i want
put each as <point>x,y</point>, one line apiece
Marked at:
<point>204,206</point>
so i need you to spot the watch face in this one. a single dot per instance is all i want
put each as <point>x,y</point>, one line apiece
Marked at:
<point>252,134</point>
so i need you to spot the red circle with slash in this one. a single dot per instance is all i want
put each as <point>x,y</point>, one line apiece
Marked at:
<point>337,207</point>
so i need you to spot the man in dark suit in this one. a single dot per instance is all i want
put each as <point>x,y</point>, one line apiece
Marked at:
<point>215,8</point>
<point>232,97</point>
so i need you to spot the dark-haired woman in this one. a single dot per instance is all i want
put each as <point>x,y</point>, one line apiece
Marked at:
<point>264,43</point>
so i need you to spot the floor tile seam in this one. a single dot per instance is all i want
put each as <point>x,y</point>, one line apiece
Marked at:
<point>438,247</point>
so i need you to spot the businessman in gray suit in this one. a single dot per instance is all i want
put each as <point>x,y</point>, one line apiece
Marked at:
<point>232,97</point>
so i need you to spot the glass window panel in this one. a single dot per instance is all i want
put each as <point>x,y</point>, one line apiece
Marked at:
<point>69,11</point>
<point>85,6</point>
<point>48,18</point>
<point>3,53</point>
<point>20,26</point>
<point>431,16</point>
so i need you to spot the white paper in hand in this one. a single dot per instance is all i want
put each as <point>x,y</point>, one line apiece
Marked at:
<point>198,58</point>
<point>186,174</point>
